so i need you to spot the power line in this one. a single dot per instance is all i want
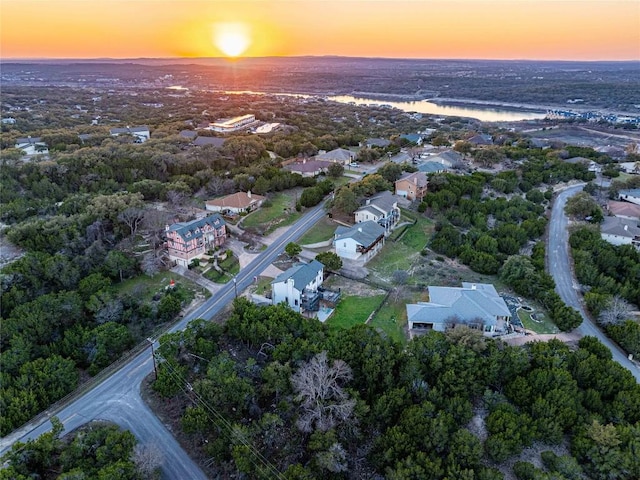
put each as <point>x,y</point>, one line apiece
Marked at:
<point>221,421</point>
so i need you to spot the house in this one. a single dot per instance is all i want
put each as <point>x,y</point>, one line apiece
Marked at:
<point>480,139</point>
<point>189,240</point>
<point>298,286</point>
<point>577,160</point>
<point>630,195</point>
<point>630,167</point>
<point>448,158</point>
<point>413,138</point>
<point>432,167</point>
<point>141,134</point>
<point>412,186</point>
<point>381,208</point>
<point>338,155</point>
<point>31,145</point>
<point>8,121</point>
<point>309,168</point>
<point>359,242</point>
<point>205,141</point>
<point>402,157</point>
<point>620,231</point>
<point>377,142</point>
<point>476,305</point>
<point>230,125</point>
<point>236,203</point>
<point>626,210</point>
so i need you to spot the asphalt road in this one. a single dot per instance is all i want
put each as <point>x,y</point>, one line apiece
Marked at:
<point>559,264</point>
<point>117,398</point>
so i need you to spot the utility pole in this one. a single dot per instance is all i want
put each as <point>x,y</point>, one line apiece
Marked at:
<point>153,356</point>
<point>235,287</point>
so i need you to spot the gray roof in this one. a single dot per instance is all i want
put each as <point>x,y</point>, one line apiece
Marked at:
<point>621,227</point>
<point>194,228</point>
<point>632,192</point>
<point>215,141</point>
<point>401,157</point>
<point>377,142</point>
<point>449,156</point>
<point>308,166</point>
<point>30,140</point>
<point>431,167</point>
<point>141,128</point>
<point>339,154</point>
<point>301,274</point>
<point>417,178</point>
<point>382,202</point>
<point>365,233</point>
<point>467,303</point>
<point>412,137</point>
<point>188,134</point>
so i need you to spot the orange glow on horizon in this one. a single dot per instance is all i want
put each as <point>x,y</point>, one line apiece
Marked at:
<point>480,29</point>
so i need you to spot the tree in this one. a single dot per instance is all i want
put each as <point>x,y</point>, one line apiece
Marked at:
<point>319,389</point>
<point>292,249</point>
<point>148,460</point>
<point>617,310</point>
<point>132,217</point>
<point>335,170</point>
<point>583,205</point>
<point>330,260</point>
<point>488,157</point>
<point>346,201</point>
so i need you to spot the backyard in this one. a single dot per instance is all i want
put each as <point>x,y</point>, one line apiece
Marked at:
<point>145,287</point>
<point>279,212</point>
<point>321,231</point>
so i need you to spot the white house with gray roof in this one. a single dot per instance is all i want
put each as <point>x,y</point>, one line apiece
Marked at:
<point>140,134</point>
<point>620,231</point>
<point>31,145</point>
<point>381,208</point>
<point>298,286</point>
<point>360,242</point>
<point>476,305</point>
<point>630,195</point>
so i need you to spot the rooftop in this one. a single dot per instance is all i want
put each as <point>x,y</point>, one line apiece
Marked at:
<point>301,274</point>
<point>365,233</point>
<point>193,229</point>
<point>236,200</point>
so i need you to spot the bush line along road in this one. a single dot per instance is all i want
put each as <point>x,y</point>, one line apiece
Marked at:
<point>117,398</point>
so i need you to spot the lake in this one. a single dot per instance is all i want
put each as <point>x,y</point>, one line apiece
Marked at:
<point>487,114</point>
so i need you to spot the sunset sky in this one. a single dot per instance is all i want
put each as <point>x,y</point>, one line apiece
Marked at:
<point>505,29</point>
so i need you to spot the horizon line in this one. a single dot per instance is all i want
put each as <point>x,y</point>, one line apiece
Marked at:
<point>239,59</point>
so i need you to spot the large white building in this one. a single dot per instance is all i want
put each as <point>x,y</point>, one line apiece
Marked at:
<point>234,124</point>
<point>360,242</point>
<point>381,208</point>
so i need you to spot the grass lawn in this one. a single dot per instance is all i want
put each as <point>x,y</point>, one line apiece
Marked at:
<point>230,267</point>
<point>544,326</point>
<point>145,287</point>
<point>392,320</point>
<point>353,310</point>
<point>266,219</point>
<point>401,254</point>
<point>321,231</point>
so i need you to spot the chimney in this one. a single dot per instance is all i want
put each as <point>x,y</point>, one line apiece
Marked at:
<point>473,286</point>
<point>249,193</point>
<point>304,160</point>
<point>360,229</point>
<point>626,228</point>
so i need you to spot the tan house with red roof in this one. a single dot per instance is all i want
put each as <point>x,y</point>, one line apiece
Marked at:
<point>236,203</point>
<point>624,209</point>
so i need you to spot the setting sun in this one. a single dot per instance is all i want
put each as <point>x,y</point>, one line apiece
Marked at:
<point>232,39</point>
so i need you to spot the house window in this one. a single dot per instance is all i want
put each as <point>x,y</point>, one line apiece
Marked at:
<point>344,244</point>
<point>295,302</point>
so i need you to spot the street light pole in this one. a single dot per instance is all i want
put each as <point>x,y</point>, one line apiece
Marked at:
<point>153,356</point>
<point>235,287</point>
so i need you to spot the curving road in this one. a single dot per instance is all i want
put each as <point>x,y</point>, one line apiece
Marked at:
<point>117,398</point>
<point>559,264</point>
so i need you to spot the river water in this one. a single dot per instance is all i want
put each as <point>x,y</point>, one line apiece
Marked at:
<point>488,114</point>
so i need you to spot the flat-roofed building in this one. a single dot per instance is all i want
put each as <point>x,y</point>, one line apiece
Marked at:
<point>234,124</point>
